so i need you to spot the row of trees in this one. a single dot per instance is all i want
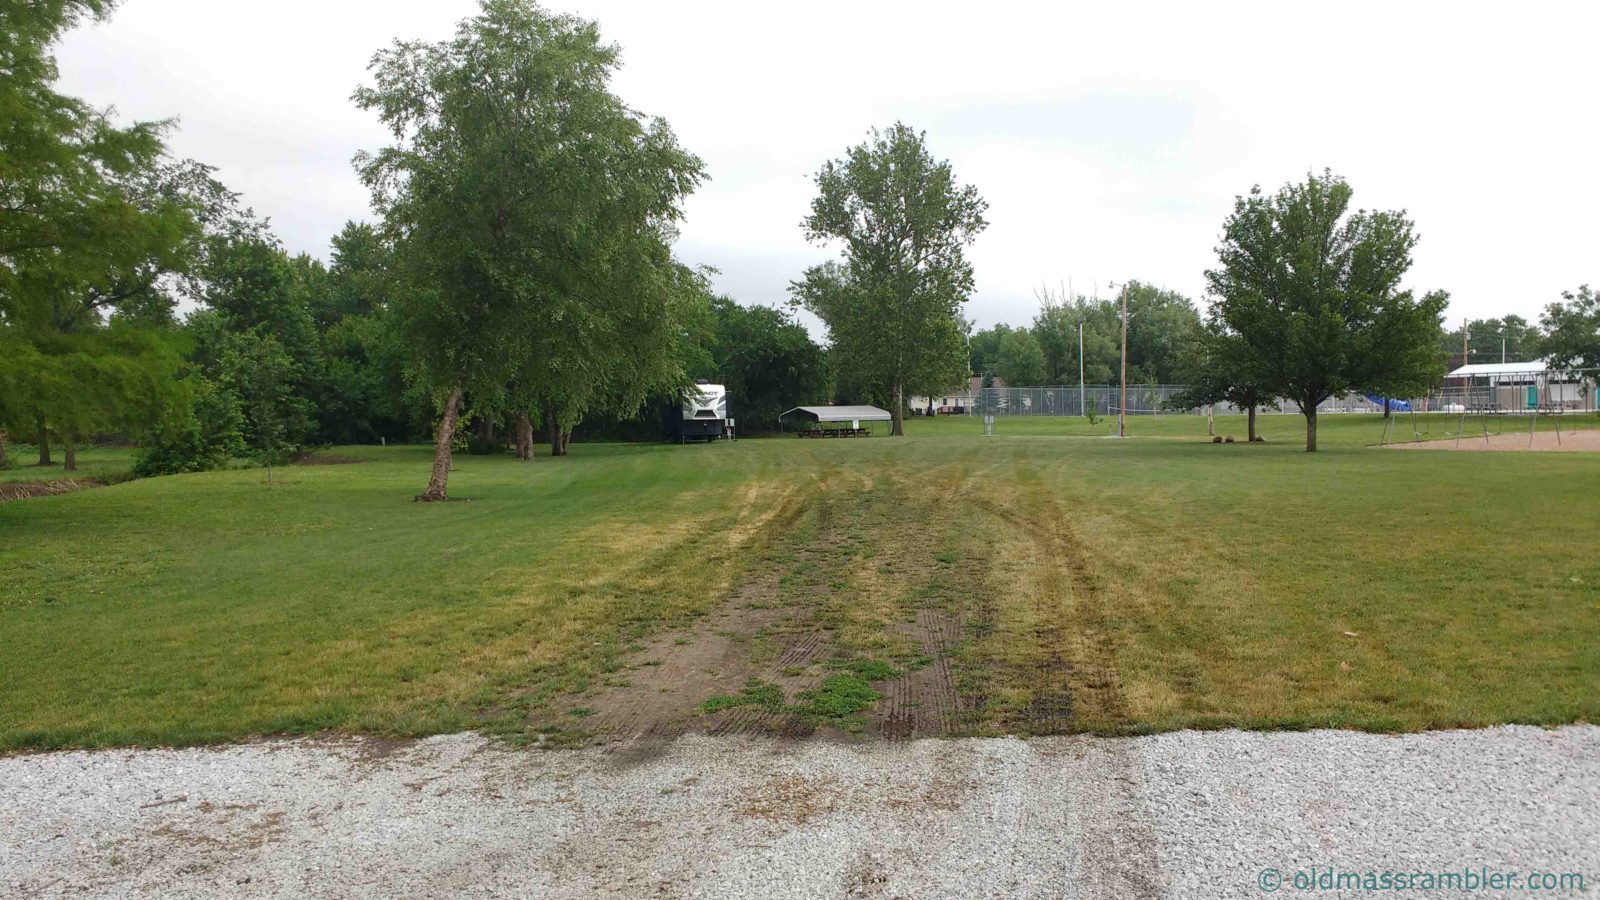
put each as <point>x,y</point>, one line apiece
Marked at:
<point>1567,335</point>
<point>522,277</point>
<point>1160,322</point>
<point>104,237</point>
<point>521,274</point>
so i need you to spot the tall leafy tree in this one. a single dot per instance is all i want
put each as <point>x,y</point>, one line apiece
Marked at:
<point>893,310</point>
<point>1055,327</point>
<point>523,198</point>
<point>1019,359</point>
<point>93,222</point>
<point>1511,336</point>
<point>983,347</point>
<point>1572,329</point>
<point>1216,366</point>
<point>1313,293</point>
<point>365,394</point>
<point>1160,322</point>
<point>768,363</point>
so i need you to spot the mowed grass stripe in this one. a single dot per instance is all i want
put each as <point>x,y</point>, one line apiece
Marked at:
<point>211,607</point>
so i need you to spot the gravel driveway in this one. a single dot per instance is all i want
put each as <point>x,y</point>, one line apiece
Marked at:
<point>1189,814</point>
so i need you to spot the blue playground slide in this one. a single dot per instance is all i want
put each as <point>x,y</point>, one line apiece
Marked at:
<point>1394,405</point>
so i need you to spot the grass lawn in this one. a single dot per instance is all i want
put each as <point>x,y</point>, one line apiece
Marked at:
<point>101,463</point>
<point>1102,585</point>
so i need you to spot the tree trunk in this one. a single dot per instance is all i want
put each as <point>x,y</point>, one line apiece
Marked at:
<point>441,449</point>
<point>553,432</point>
<point>44,443</point>
<point>524,437</point>
<point>899,415</point>
<point>485,431</point>
<point>1252,423</point>
<point>566,436</point>
<point>1386,407</point>
<point>1311,428</point>
<point>72,455</point>
<point>5,461</point>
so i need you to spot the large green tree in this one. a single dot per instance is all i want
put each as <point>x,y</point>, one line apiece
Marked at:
<point>1217,366</point>
<point>893,309</point>
<point>1313,293</point>
<point>1572,329</point>
<point>768,363</point>
<point>525,200</point>
<point>94,221</point>
<point>1018,359</point>
<point>1160,321</point>
<point>1489,340</point>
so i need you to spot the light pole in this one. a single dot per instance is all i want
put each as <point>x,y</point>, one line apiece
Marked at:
<point>1122,406</point>
<point>1082,409</point>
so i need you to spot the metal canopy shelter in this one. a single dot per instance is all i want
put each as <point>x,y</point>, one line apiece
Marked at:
<point>839,414</point>
<point>846,421</point>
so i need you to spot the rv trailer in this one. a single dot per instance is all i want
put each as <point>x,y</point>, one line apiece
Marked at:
<point>703,415</point>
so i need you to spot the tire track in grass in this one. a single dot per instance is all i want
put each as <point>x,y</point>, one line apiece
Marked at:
<point>1050,663</point>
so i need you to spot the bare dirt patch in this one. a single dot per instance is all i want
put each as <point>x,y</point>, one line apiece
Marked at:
<point>25,489</point>
<point>1573,441</point>
<point>853,595</point>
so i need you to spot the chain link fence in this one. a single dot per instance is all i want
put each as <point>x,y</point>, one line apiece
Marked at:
<point>1500,394</point>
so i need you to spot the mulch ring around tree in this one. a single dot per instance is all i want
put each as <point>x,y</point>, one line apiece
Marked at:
<point>25,489</point>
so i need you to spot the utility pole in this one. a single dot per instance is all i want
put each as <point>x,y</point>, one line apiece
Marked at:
<point>1122,411</point>
<point>1502,350</point>
<point>1082,410</point>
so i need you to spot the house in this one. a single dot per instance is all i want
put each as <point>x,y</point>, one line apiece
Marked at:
<point>960,399</point>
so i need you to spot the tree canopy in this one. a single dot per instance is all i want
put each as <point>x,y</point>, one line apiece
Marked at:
<point>1312,292</point>
<point>533,211</point>
<point>768,363</point>
<point>95,218</point>
<point>893,306</point>
<point>1572,329</point>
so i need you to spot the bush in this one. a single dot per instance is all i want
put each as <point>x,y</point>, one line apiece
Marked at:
<point>210,434</point>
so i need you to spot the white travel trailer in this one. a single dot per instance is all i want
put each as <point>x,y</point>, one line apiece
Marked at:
<point>703,415</point>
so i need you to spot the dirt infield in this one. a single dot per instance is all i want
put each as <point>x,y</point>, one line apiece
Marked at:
<point>1568,441</point>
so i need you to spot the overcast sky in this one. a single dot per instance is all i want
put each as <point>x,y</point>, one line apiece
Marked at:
<point>1109,139</point>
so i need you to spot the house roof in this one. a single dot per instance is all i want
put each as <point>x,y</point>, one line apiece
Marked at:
<point>843,413</point>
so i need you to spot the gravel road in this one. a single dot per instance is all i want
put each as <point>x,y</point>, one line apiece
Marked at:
<point>1189,814</point>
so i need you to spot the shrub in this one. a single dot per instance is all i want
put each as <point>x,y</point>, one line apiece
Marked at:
<point>210,433</point>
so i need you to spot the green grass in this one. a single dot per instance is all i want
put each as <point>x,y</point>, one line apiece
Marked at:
<point>102,463</point>
<point>1333,430</point>
<point>1146,584</point>
<point>756,693</point>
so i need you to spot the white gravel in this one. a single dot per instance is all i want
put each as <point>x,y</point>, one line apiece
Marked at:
<point>1190,814</point>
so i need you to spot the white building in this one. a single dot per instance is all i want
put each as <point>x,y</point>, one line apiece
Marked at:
<point>1517,386</point>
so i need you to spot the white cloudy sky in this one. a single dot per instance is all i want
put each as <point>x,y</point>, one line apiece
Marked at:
<point>1109,139</point>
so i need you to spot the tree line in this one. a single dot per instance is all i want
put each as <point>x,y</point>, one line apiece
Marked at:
<point>1160,321</point>
<point>520,283</point>
<point>520,275</point>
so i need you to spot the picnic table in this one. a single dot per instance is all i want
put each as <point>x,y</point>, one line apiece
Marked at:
<point>834,432</point>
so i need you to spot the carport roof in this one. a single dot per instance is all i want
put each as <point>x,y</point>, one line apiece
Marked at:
<point>843,413</point>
